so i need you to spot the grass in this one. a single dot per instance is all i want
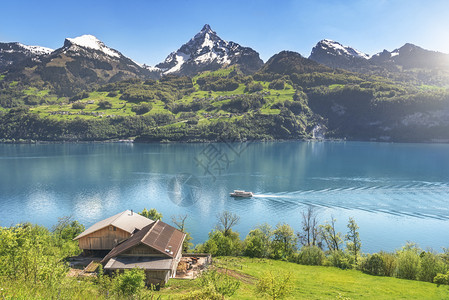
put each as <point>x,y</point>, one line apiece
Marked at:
<point>121,107</point>
<point>313,282</point>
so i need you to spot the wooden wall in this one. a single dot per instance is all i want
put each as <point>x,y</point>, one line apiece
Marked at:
<point>155,277</point>
<point>103,239</point>
<point>143,250</point>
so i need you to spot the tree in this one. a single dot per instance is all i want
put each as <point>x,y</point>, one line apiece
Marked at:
<point>354,243</point>
<point>152,214</point>
<point>408,262</point>
<point>275,286</point>
<point>67,228</point>
<point>331,237</point>
<point>258,241</point>
<point>227,220</point>
<point>310,233</point>
<point>284,241</point>
<point>220,245</point>
<point>180,221</point>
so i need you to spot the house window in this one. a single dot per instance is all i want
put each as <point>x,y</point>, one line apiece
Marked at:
<point>112,228</point>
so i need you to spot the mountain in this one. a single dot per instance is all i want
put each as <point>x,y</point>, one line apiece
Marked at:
<point>207,51</point>
<point>288,62</point>
<point>13,53</point>
<point>335,55</point>
<point>411,56</point>
<point>83,62</point>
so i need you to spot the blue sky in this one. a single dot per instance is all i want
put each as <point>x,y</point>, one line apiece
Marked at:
<point>147,31</point>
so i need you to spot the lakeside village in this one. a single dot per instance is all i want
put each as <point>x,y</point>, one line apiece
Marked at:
<point>138,256</point>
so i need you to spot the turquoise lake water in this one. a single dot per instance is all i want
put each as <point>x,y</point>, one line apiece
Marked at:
<point>395,192</point>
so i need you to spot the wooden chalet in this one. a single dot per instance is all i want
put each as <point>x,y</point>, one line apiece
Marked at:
<point>108,233</point>
<point>156,248</point>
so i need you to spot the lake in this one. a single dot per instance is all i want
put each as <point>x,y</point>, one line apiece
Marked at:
<point>395,192</point>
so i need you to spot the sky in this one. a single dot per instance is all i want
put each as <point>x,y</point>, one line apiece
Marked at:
<point>148,30</point>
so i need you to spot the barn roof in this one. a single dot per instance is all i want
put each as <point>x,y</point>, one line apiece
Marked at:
<point>158,235</point>
<point>126,220</point>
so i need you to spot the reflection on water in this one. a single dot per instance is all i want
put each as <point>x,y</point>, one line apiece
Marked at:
<point>396,192</point>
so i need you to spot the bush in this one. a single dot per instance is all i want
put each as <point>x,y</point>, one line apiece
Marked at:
<point>130,282</point>
<point>277,84</point>
<point>142,108</point>
<point>275,286</point>
<point>193,120</point>
<point>112,94</point>
<point>253,87</point>
<point>79,96</point>
<point>340,259</point>
<point>79,105</point>
<point>441,278</point>
<point>104,104</point>
<point>311,255</point>
<point>374,265</point>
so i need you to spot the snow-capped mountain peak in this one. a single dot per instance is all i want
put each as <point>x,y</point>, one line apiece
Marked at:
<point>205,51</point>
<point>91,42</point>
<point>335,48</point>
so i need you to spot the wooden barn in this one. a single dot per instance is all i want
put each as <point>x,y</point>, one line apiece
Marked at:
<point>108,233</point>
<point>156,248</point>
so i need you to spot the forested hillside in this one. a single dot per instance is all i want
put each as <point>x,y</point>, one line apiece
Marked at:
<point>291,97</point>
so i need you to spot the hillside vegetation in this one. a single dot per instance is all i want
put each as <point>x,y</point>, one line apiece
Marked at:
<point>289,98</point>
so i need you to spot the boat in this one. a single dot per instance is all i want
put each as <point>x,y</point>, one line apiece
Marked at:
<point>238,193</point>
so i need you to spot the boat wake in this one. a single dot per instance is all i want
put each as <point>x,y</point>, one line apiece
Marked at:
<point>417,199</point>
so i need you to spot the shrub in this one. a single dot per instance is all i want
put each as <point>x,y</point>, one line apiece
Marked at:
<point>275,286</point>
<point>340,259</point>
<point>79,96</point>
<point>112,94</point>
<point>79,105</point>
<point>374,265</point>
<point>142,108</point>
<point>441,278</point>
<point>193,120</point>
<point>222,284</point>
<point>311,255</point>
<point>253,87</point>
<point>277,84</point>
<point>130,282</point>
<point>104,104</point>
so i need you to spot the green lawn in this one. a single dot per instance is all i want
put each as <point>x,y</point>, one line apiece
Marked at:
<point>312,282</point>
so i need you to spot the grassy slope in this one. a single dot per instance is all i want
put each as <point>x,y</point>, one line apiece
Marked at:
<point>312,282</point>
<point>120,109</point>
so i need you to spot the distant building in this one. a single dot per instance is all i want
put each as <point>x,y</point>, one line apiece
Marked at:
<point>108,233</point>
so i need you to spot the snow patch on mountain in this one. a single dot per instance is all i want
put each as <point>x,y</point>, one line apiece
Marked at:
<point>334,47</point>
<point>91,42</point>
<point>37,50</point>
